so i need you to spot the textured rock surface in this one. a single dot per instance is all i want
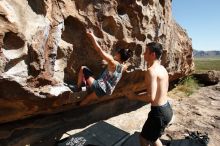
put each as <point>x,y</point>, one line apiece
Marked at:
<point>43,44</point>
<point>208,77</point>
<point>45,130</point>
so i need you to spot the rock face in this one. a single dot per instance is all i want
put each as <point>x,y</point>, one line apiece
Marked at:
<point>208,78</point>
<point>44,43</point>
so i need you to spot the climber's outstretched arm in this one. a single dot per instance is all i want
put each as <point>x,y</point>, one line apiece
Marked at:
<point>98,48</point>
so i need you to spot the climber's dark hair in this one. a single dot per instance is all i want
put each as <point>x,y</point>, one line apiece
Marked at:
<point>156,48</point>
<point>125,54</point>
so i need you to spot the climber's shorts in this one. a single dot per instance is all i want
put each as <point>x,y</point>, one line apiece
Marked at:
<point>95,85</point>
<point>97,89</point>
<point>158,118</point>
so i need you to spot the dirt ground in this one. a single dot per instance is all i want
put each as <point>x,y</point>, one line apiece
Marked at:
<point>198,112</point>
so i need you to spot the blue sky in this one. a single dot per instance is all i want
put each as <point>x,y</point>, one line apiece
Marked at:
<point>201,19</point>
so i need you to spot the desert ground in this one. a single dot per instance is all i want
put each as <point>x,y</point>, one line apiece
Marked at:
<point>197,112</point>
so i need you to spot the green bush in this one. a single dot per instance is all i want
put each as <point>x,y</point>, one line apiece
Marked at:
<point>188,85</point>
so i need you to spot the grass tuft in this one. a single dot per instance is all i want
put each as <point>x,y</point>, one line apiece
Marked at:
<point>188,85</point>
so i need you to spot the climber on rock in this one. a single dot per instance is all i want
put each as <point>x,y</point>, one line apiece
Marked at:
<point>106,82</point>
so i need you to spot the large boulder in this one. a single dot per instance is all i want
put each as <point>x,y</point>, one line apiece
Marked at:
<point>44,43</point>
<point>210,77</point>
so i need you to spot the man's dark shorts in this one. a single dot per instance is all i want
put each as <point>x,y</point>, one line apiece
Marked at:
<point>158,118</point>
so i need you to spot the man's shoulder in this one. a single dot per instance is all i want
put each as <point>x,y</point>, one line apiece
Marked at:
<point>150,72</point>
<point>156,71</point>
<point>163,69</point>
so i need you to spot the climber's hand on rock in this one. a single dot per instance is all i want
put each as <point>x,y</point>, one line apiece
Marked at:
<point>90,33</point>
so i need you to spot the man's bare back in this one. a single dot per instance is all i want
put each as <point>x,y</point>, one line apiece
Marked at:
<point>157,81</point>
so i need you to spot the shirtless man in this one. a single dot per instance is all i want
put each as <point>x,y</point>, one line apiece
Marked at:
<point>156,79</point>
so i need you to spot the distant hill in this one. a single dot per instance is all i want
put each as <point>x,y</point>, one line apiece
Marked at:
<point>197,53</point>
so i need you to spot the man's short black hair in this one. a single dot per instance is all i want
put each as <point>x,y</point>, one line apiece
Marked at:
<point>156,48</point>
